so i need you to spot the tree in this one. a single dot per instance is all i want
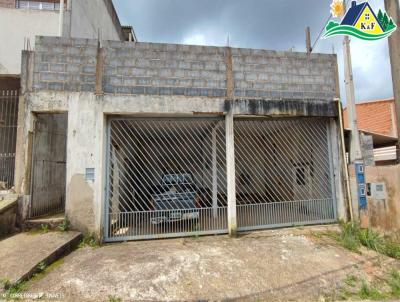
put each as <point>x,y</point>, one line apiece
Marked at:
<point>391,24</point>
<point>380,16</point>
<point>385,22</point>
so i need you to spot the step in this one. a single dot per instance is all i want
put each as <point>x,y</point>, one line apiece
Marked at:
<point>52,222</point>
<point>21,254</point>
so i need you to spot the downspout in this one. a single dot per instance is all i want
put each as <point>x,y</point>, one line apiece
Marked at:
<point>61,19</point>
<point>346,174</point>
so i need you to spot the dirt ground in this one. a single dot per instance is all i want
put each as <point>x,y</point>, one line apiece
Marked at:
<point>282,265</point>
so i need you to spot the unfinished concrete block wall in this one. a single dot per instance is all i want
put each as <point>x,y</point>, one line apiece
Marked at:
<point>65,64</point>
<point>164,69</point>
<point>283,75</point>
<point>170,69</point>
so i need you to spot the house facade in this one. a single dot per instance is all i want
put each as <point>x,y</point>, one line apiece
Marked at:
<point>166,140</point>
<point>377,124</point>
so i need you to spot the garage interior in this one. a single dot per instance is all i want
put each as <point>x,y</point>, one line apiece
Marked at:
<point>167,176</point>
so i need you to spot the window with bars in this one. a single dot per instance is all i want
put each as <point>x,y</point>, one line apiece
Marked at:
<point>38,5</point>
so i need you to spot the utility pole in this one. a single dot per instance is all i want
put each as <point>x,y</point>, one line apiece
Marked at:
<point>355,147</point>
<point>392,8</point>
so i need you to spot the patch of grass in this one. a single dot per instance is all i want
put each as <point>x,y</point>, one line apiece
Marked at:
<point>88,240</point>
<point>41,266</point>
<point>44,227</point>
<point>64,226</point>
<point>394,283</point>
<point>12,290</point>
<point>370,239</point>
<point>354,288</point>
<point>370,292</point>
<point>350,280</point>
<point>391,249</point>
<point>5,283</point>
<point>114,299</point>
<point>352,237</point>
<point>44,270</point>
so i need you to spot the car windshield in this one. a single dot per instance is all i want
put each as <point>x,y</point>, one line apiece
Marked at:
<point>170,179</point>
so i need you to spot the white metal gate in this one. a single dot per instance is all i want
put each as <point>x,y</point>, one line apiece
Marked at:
<point>283,172</point>
<point>165,178</point>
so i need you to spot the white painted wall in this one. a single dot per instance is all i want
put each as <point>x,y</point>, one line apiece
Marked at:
<point>88,17</point>
<point>15,25</point>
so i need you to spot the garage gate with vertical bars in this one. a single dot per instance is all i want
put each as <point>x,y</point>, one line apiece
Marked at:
<point>166,177</point>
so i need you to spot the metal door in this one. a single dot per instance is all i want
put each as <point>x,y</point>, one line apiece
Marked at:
<point>48,164</point>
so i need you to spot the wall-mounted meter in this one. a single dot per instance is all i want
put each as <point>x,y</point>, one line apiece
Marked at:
<point>361,187</point>
<point>377,191</point>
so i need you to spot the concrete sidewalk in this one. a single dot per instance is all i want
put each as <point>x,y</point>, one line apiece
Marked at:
<point>265,266</point>
<point>20,254</point>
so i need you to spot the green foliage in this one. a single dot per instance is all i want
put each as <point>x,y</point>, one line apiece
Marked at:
<point>356,289</point>
<point>114,299</point>
<point>331,25</point>
<point>370,292</point>
<point>349,236</point>
<point>64,226</point>
<point>353,237</point>
<point>89,240</point>
<point>370,239</point>
<point>12,290</point>
<point>391,249</point>
<point>5,283</point>
<point>41,266</point>
<point>394,283</point>
<point>44,227</point>
<point>351,280</point>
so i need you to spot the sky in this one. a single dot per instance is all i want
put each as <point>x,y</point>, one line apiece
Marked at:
<point>267,24</point>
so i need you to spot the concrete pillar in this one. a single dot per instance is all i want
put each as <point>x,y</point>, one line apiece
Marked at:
<point>230,173</point>
<point>339,186</point>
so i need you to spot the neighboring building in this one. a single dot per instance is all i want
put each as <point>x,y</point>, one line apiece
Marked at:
<point>20,22</point>
<point>377,119</point>
<point>146,140</point>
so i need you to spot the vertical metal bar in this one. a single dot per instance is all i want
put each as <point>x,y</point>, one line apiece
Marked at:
<point>107,195</point>
<point>214,171</point>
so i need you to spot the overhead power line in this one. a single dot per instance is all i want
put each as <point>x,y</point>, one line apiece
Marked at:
<point>323,28</point>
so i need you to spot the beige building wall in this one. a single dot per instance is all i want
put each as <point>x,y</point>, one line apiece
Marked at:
<point>83,19</point>
<point>15,26</point>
